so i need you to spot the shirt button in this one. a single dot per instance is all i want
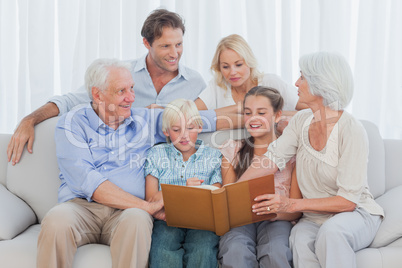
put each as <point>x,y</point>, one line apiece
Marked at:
<point>112,152</point>
<point>178,154</point>
<point>182,166</point>
<point>104,167</point>
<point>181,177</point>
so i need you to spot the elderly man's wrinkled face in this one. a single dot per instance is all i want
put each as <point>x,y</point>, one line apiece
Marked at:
<point>118,97</point>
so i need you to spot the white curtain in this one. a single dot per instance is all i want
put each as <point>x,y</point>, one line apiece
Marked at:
<point>46,45</point>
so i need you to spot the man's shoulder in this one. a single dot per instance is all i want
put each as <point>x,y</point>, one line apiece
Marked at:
<point>190,74</point>
<point>76,115</point>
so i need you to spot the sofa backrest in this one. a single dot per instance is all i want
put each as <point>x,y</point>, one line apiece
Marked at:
<point>4,139</point>
<point>35,178</point>
<point>376,163</point>
<point>393,163</point>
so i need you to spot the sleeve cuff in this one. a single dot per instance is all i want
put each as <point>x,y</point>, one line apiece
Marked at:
<point>270,154</point>
<point>351,196</point>
<point>209,120</point>
<point>59,105</point>
<point>92,183</point>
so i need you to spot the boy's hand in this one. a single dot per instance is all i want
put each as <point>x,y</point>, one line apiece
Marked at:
<point>194,181</point>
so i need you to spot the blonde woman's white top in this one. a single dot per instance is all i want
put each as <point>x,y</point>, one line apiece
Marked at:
<point>216,97</point>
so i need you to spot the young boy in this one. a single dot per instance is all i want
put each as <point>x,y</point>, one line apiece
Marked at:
<point>184,160</point>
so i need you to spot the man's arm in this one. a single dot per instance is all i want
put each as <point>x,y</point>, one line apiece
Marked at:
<point>25,131</point>
<point>111,195</point>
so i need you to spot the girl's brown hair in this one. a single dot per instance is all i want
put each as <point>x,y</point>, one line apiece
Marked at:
<point>246,153</point>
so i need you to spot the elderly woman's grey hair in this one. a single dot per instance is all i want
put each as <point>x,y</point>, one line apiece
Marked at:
<point>329,76</point>
<point>98,72</point>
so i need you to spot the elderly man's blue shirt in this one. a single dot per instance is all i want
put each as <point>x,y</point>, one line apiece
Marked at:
<point>89,152</point>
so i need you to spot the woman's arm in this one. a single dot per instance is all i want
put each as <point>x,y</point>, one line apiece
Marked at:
<point>200,104</point>
<point>232,109</point>
<point>295,193</point>
<point>281,204</point>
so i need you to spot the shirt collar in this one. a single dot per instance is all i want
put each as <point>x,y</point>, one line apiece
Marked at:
<point>142,64</point>
<point>95,122</point>
<point>199,145</point>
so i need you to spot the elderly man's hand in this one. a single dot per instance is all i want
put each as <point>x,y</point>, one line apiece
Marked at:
<point>154,206</point>
<point>24,134</point>
<point>155,106</point>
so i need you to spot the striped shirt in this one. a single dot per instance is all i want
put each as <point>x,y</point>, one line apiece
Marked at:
<point>165,163</point>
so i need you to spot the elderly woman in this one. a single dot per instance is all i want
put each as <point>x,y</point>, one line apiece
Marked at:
<point>235,73</point>
<point>340,215</point>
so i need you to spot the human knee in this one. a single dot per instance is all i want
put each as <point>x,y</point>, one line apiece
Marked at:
<point>58,220</point>
<point>233,246</point>
<point>136,218</point>
<point>300,239</point>
<point>332,232</point>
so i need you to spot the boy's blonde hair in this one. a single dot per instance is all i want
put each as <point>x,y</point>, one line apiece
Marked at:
<point>182,109</point>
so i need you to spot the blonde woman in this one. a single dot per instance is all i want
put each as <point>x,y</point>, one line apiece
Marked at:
<point>235,73</point>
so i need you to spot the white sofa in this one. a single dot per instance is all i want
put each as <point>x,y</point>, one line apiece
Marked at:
<point>29,189</point>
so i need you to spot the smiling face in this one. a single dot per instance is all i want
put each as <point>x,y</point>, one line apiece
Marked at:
<point>183,134</point>
<point>259,117</point>
<point>115,102</point>
<point>233,68</point>
<point>165,52</point>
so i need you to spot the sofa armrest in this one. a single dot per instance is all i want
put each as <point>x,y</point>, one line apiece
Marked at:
<point>15,215</point>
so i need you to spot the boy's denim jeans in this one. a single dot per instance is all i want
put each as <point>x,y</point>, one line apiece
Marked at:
<point>180,247</point>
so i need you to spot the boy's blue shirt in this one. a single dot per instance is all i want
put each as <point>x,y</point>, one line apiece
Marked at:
<point>165,163</point>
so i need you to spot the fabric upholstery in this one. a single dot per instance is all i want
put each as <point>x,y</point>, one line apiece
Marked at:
<point>16,215</point>
<point>376,164</point>
<point>35,180</point>
<point>391,227</point>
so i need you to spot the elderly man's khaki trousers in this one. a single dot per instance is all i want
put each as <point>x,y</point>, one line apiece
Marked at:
<point>79,222</point>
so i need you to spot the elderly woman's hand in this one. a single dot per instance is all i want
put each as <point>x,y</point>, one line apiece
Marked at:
<point>272,203</point>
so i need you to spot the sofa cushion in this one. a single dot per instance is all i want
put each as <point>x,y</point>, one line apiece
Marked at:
<point>15,215</point>
<point>391,227</point>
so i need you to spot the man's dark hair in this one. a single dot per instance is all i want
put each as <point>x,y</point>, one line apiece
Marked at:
<point>159,18</point>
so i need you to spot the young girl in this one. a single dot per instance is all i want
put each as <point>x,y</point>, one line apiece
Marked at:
<point>266,243</point>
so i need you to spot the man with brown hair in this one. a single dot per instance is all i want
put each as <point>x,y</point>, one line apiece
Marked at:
<point>158,76</point>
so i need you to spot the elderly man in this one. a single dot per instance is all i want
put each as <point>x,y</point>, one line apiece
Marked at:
<point>101,149</point>
<point>158,75</point>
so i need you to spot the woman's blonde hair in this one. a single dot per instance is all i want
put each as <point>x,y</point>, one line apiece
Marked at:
<point>182,109</point>
<point>239,45</point>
